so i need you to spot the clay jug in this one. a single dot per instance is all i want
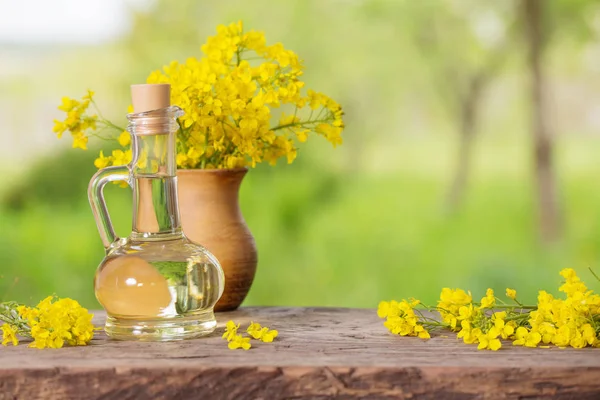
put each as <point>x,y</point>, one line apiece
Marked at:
<point>211,216</point>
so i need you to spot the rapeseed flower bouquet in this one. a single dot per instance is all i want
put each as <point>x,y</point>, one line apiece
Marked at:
<point>230,97</point>
<point>571,321</point>
<point>53,323</point>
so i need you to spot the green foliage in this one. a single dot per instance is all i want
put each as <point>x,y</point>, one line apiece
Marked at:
<point>58,178</point>
<point>346,239</point>
<point>571,20</point>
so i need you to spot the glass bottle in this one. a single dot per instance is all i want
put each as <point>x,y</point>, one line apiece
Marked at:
<point>155,284</point>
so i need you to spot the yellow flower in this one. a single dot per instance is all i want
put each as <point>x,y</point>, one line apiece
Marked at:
<point>506,329</point>
<point>89,95</point>
<point>59,128</point>
<point>588,334</point>
<point>451,300</point>
<point>572,283</point>
<point>511,293</point>
<point>546,329</point>
<point>455,297</point>
<point>68,104</point>
<point>384,308</point>
<point>45,304</point>
<point>41,337</point>
<point>468,335</point>
<point>401,319</point>
<point>101,161</point>
<point>263,334</point>
<point>489,300</point>
<point>331,133</point>
<point>421,332</point>
<point>301,134</point>
<point>77,122</point>
<point>124,138</point>
<point>254,330</point>
<point>562,338</point>
<point>230,331</point>
<point>9,335</point>
<point>269,335</point>
<point>238,341</point>
<point>181,160</point>
<point>228,103</point>
<point>489,340</point>
<point>60,321</point>
<point>53,323</point>
<point>28,313</point>
<point>120,157</point>
<point>80,141</point>
<point>465,312</point>
<point>527,338</point>
<point>564,322</point>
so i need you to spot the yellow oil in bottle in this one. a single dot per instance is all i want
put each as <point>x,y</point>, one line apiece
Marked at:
<point>130,287</point>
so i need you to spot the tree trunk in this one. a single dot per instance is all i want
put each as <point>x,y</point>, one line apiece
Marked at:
<point>469,110</point>
<point>549,219</point>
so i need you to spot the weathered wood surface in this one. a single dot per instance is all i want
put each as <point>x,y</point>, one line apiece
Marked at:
<point>321,353</point>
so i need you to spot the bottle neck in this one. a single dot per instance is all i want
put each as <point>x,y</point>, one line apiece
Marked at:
<point>155,208</point>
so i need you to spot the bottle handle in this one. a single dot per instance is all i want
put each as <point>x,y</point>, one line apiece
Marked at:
<point>98,204</point>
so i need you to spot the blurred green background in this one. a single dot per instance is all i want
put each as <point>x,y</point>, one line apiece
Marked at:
<point>436,184</point>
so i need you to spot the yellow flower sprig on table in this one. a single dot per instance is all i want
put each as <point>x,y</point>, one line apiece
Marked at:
<point>261,333</point>
<point>244,103</point>
<point>572,321</point>
<point>255,330</point>
<point>402,320</point>
<point>53,323</point>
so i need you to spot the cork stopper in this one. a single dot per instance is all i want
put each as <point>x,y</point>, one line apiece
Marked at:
<point>148,97</point>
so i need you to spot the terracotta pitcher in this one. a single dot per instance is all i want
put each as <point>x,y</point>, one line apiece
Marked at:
<point>211,216</point>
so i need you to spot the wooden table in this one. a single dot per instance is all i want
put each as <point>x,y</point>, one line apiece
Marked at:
<point>320,353</point>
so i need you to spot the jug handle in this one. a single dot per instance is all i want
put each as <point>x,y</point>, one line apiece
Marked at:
<point>98,204</point>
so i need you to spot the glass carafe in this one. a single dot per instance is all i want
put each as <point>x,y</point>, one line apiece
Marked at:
<point>155,284</point>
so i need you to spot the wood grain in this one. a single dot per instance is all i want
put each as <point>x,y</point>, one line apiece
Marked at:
<point>321,353</point>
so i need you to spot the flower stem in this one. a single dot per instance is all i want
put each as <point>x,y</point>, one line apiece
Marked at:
<point>301,123</point>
